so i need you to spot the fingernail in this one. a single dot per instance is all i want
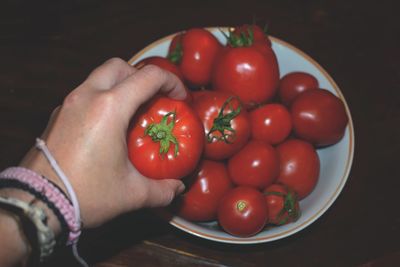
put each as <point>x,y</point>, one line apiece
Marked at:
<point>180,189</point>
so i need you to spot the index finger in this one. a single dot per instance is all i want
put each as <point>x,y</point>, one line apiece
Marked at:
<point>144,84</point>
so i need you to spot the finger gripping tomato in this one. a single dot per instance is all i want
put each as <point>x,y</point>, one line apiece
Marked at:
<point>166,139</point>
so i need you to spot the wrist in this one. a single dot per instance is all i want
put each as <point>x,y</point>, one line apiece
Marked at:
<point>35,161</point>
<point>15,249</point>
<point>52,220</point>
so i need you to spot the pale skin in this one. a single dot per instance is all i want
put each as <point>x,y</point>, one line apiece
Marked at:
<point>87,136</point>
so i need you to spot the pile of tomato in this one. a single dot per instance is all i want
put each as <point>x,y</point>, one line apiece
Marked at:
<point>244,142</point>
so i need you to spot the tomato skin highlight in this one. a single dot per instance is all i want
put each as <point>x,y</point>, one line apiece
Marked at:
<point>247,73</point>
<point>299,166</point>
<point>255,165</point>
<point>144,153</point>
<point>271,123</point>
<point>243,211</point>
<point>293,84</point>
<point>199,50</point>
<point>319,117</point>
<point>204,192</point>
<point>208,106</point>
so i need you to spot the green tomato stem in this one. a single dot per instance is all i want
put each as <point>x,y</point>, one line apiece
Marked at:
<point>162,132</point>
<point>223,121</point>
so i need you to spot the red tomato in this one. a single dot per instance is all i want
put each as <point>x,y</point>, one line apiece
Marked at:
<point>271,123</point>
<point>205,190</point>
<point>162,63</point>
<point>166,140</point>
<point>199,49</point>
<point>246,72</point>
<point>243,211</point>
<point>246,30</point>
<point>283,205</point>
<point>319,117</point>
<point>299,166</point>
<point>256,165</point>
<point>292,84</point>
<point>226,124</point>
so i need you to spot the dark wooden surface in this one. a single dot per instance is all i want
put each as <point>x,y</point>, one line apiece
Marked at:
<point>48,47</point>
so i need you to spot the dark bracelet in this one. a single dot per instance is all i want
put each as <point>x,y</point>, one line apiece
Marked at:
<point>63,237</point>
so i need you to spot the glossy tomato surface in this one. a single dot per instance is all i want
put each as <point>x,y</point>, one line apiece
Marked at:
<point>256,165</point>
<point>299,166</point>
<point>226,124</point>
<point>283,205</point>
<point>243,211</point>
<point>205,189</point>
<point>246,72</point>
<point>166,139</point>
<point>199,50</point>
<point>294,83</point>
<point>319,117</point>
<point>271,123</point>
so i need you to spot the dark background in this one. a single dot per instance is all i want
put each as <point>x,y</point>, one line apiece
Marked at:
<point>48,47</point>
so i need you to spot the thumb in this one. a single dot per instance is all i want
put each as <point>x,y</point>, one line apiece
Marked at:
<point>162,192</point>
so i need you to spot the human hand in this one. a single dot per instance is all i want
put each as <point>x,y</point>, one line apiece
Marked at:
<point>87,137</point>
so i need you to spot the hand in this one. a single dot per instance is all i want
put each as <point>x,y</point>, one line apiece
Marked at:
<point>87,137</point>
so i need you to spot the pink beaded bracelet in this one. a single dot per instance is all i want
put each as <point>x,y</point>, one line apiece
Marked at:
<point>52,193</point>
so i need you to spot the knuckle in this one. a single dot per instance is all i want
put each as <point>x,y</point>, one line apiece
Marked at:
<point>72,98</point>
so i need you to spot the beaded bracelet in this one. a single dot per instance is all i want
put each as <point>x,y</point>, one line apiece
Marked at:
<point>41,145</point>
<point>11,183</point>
<point>47,189</point>
<point>43,241</point>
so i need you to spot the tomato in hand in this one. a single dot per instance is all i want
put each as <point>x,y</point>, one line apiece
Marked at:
<point>319,117</point>
<point>199,49</point>
<point>243,211</point>
<point>226,124</point>
<point>162,63</point>
<point>294,83</point>
<point>271,123</point>
<point>299,166</point>
<point>166,139</point>
<point>283,205</point>
<point>246,72</point>
<point>204,191</point>
<point>256,165</point>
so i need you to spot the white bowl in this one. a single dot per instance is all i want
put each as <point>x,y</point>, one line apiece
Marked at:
<point>335,160</point>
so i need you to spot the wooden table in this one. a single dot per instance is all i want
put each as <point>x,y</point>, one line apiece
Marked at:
<point>49,47</point>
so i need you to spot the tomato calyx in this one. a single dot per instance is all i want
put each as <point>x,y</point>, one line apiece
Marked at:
<point>176,55</point>
<point>241,205</point>
<point>289,206</point>
<point>162,132</point>
<point>222,123</point>
<point>239,40</point>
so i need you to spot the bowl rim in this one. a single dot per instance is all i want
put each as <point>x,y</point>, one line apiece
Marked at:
<point>325,206</point>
